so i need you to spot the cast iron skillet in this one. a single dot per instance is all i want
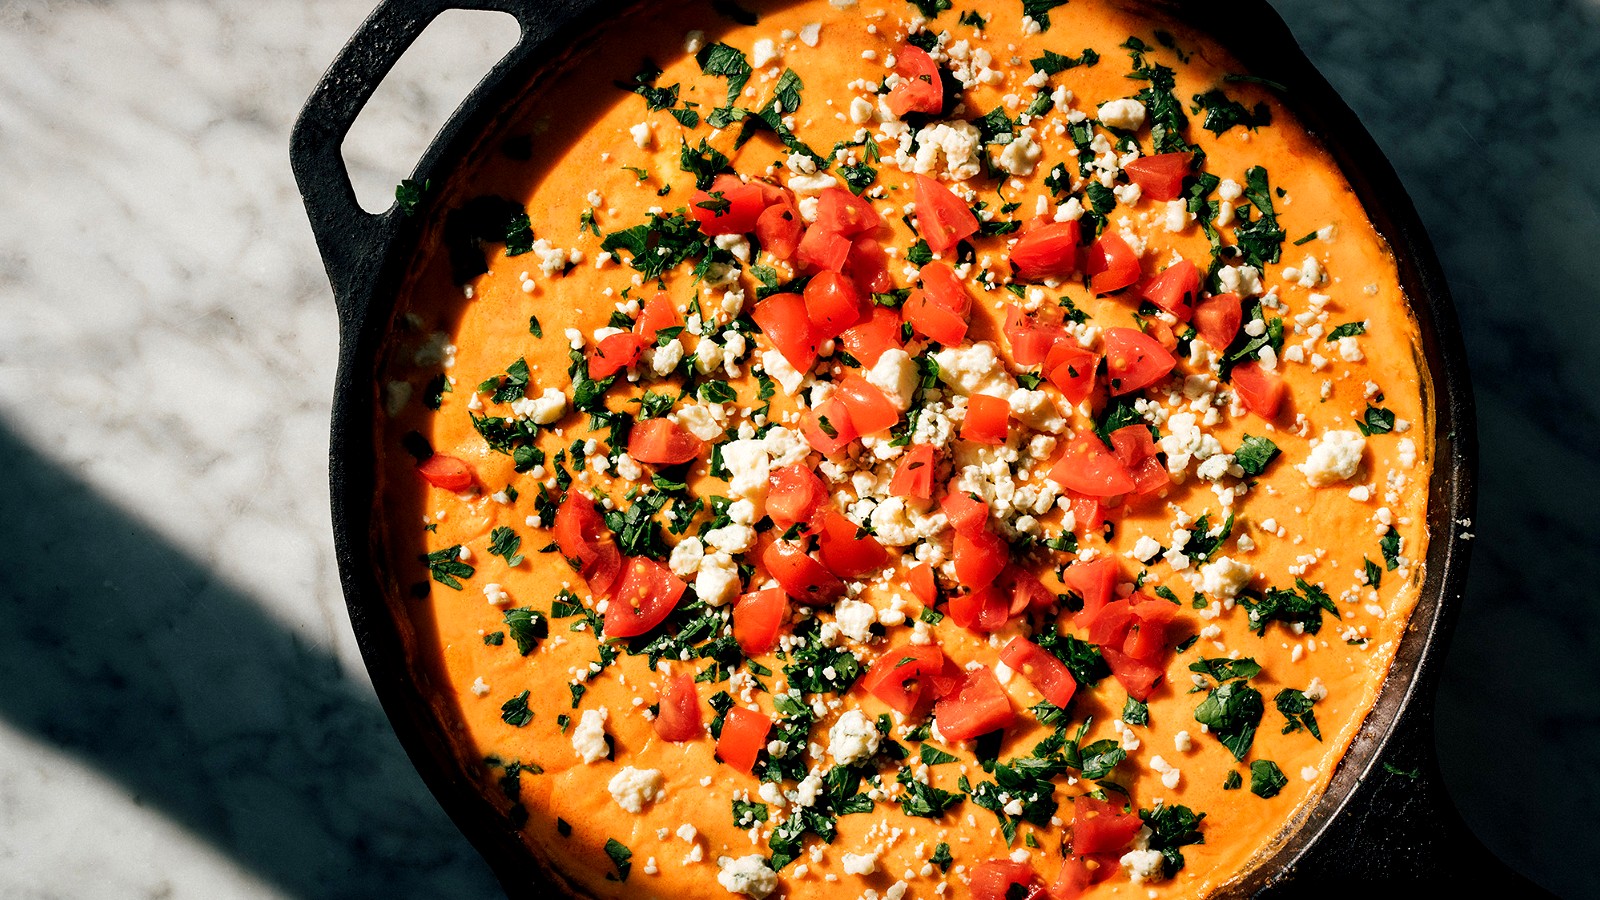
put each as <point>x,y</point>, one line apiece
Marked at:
<point>1384,819</point>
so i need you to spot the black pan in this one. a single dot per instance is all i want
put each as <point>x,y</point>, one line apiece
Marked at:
<point>1384,820</point>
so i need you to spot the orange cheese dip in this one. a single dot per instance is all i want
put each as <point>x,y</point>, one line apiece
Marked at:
<point>1005,434</point>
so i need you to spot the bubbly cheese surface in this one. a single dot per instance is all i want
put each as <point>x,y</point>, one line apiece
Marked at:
<point>1288,547</point>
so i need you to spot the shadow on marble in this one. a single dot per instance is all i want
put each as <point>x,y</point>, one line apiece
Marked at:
<point>121,650</point>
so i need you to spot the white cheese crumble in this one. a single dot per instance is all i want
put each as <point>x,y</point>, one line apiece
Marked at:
<point>589,737</point>
<point>633,788</point>
<point>853,738</point>
<point>1334,457</point>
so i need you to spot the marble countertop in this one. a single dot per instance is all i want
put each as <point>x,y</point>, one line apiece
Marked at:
<point>183,712</point>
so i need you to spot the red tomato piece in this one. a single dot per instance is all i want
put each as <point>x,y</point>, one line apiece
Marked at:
<point>1109,626</point>
<point>663,443</point>
<point>966,513</point>
<point>1175,290</point>
<point>933,321</point>
<point>658,313</point>
<point>945,289</point>
<point>981,609</point>
<point>1218,319</point>
<point>1260,391</point>
<point>867,339</point>
<point>1049,675</point>
<point>870,411</point>
<point>977,706</point>
<point>833,303</point>
<point>794,495</point>
<point>582,535</point>
<point>1005,879</point>
<point>1026,590</point>
<point>1096,582</point>
<point>446,472</point>
<point>846,552</point>
<point>1079,873</point>
<point>783,320</point>
<point>943,219</point>
<point>615,353</point>
<point>923,585</point>
<point>980,557</point>
<point>828,427</point>
<point>1089,512</point>
<point>1133,444</point>
<point>842,212</point>
<point>743,737</point>
<point>1101,827</point>
<point>1048,250</point>
<point>910,676</point>
<point>1089,468</point>
<point>988,418</point>
<point>1159,177</point>
<point>913,478</point>
<point>1138,678</point>
<point>1031,340</point>
<point>1147,641</point>
<point>1110,264</point>
<point>647,593</point>
<point>779,230</point>
<point>730,207</point>
<point>800,576</point>
<point>1134,360</point>
<point>919,89</point>
<point>757,617</point>
<point>678,714</point>
<point>1071,369</point>
<point>822,249</point>
<point>868,266</point>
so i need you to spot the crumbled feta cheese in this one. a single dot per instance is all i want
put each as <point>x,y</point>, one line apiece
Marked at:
<point>853,738</point>
<point>548,407</point>
<point>748,875</point>
<point>896,375</point>
<point>633,788</point>
<point>1224,578</point>
<point>589,737</point>
<point>855,619</point>
<point>1142,865</point>
<point>1127,114</point>
<point>860,863</point>
<point>1334,457</point>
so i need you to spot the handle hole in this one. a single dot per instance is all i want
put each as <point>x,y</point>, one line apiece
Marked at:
<point>415,100</point>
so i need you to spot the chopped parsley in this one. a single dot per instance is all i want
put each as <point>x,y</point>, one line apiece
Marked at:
<point>621,857</point>
<point>1232,711</point>
<point>446,566</point>
<point>515,711</point>
<point>1254,454</point>
<point>1266,779</point>
<point>1296,708</point>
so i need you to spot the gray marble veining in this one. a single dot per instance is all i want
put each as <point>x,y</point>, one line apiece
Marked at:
<point>182,711</point>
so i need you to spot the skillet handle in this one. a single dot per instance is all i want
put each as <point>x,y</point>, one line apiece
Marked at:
<point>351,240</point>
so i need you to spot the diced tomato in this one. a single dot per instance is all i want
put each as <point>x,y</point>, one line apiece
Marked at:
<point>582,535</point>
<point>1089,468</point>
<point>842,212</point>
<point>1048,250</point>
<point>910,676</point>
<point>1005,879</point>
<point>663,443</point>
<point>1218,319</point>
<point>1109,626</point>
<point>913,477</point>
<point>870,411</point>
<point>987,420</point>
<point>977,706</point>
<point>756,619</point>
<point>1110,263</point>
<point>833,303</point>
<point>845,550</point>
<point>779,230</point>
<point>933,321</point>
<point>943,219</point>
<point>1162,333</point>
<point>794,494</point>
<point>1089,512</point>
<point>446,472</point>
<point>945,288</point>
<point>1133,444</point>
<point>1134,360</point>
<point>1031,340</point>
<point>1096,582</point>
<point>1042,669</point>
<point>1137,678</point>
<point>918,90</point>
<point>1147,641</point>
<point>868,266</point>
<point>1261,391</point>
<point>1071,369</point>
<point>966,513</point>
<point>828,427</point>
<point>678,714</point>
<point>1101,827</point>
<point>980,608</point>
<point>647,593</point>
<point>659,312</point>
<point>615,353</point>
<point>1175,289</point>
<point>1026,590</point>
<point>867,339</point>
<point>800,576</point>
<point>743,737</point>
<point>922,584</point>
<point>1079,873</point>
<point>1159,177</point>
<point>822,250</point>
<point>730,207</point>
<point>783,320</point>
<point>979,557</point>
